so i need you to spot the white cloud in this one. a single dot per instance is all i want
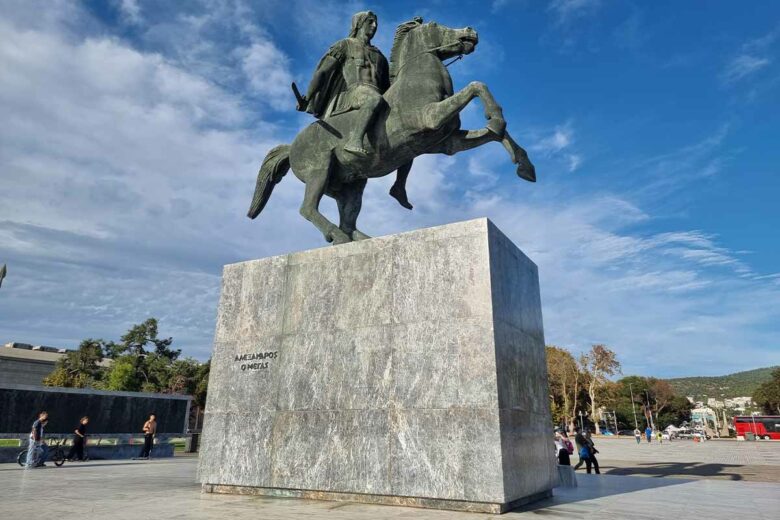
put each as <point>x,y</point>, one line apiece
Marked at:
<point>131,10</point>
<point>742,66</point>
<point>126,171</point>
<point>754,55</point>
<point>558,144</point>
<point>568,10</point>
<point>267,70</point>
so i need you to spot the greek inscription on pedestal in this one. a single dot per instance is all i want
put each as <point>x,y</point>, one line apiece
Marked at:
<point>255,360</point>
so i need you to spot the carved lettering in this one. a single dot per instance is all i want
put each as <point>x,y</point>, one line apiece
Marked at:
<point>251,361</point>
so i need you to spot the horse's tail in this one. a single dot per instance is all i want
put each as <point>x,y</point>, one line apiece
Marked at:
<point>275,166</point>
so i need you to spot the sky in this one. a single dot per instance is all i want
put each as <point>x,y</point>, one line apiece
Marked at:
<point>132,132</point>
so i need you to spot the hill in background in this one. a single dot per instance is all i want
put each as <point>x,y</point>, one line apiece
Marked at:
<point>733,385</point>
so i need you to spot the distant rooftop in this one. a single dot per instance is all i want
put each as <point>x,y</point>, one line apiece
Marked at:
<point>42,348</point>
<point>37,352</point>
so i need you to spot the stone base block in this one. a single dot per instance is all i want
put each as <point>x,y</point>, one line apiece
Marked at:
<point>362,498</point>
<point>405,369</point>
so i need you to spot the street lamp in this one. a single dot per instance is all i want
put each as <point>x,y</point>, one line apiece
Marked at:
<point>636,425</point>
<point>582,428</point>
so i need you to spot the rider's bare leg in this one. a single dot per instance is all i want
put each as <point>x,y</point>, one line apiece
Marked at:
<point>398,189</point>
<point>315,188</point>
<point>366,115</point>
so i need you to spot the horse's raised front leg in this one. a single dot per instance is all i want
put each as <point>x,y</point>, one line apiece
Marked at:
<point>467,139</point>
<point>316,182</point>
<point>463,140</point>
<point>349,201</point>
<point>525,169</point>
<point>435,115</point>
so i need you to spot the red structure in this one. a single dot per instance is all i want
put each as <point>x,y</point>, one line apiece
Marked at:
<point>762,426</point>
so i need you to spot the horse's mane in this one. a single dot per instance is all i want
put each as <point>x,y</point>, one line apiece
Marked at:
<point>400,35</point>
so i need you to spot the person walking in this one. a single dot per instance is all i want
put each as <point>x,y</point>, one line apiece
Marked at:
<point>79,440</point>
<point>660,436</point>
<point>638,436</point>
<point>37,443</point>
<point>150,429</point>
<point>567,443</point>
<point>583,449</point>
<point>561,450</point>
<point>649,434</point>
<point>592,451</point>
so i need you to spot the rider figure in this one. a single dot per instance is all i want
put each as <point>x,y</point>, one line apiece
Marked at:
<point>352,75</point>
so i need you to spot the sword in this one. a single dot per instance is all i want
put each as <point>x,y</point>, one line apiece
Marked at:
<point>301,101</point>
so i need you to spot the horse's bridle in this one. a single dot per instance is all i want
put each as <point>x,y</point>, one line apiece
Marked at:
<point>406,62</point>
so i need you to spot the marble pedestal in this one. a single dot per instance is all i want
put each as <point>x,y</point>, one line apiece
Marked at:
<point>406,369</point>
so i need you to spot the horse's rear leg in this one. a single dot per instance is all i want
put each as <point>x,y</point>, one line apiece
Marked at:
<point>349,201</point>
<point>316,183</point>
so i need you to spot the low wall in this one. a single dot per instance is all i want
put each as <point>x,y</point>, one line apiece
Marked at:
<point>109,412</point>
<point>126,446</point>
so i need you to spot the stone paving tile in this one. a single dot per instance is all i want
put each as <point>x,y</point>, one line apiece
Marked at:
<point>166,489</point>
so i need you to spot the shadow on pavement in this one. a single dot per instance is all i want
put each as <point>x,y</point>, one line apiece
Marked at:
<point>680,469</point>
<point>590,487</point>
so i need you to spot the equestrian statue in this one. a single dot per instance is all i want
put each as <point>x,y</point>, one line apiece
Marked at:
<point>374,118</point>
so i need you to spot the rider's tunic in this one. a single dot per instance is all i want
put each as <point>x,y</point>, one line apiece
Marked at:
<point>360,79</point>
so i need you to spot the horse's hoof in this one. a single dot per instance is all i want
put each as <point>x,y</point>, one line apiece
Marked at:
<point>337,237</point>
<point>497,125</point>
<point>527,172</point>
<point>359,235</point>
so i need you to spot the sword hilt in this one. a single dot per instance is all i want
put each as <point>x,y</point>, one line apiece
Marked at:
<point>301,102</point>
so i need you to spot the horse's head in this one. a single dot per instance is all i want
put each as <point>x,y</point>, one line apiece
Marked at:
<point>447,41</point>
<point>415,38</point>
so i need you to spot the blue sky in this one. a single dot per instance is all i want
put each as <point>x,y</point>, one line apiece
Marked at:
<point>132,132</point>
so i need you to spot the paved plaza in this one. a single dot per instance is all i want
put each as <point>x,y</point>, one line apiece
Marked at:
<point>716,459</point>
<point>166,489</point>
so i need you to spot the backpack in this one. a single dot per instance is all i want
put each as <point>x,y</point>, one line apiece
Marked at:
<point>569,446</point>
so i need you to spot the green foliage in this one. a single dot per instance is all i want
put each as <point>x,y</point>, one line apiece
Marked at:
<point>123,374</point>
<point>738,384</point>
<point>649,393</point>
<point>136,340</point>
<point>79,368</point>
<point>767,396</point>
<point>139,362</point>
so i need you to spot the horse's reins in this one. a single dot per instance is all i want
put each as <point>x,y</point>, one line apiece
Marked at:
<point>406,62</point>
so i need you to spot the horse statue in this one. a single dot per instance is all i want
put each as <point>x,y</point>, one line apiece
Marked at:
<point>420,116</point>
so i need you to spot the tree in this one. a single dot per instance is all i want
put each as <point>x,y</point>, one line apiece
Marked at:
<point>767,396</point>
<point>79,368</point>
<point>139,362</point>
<point>564,379</point>
<point>123,374</point>
<point>139,336</point>
<point>662,393</point>
<point>599,363</point>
